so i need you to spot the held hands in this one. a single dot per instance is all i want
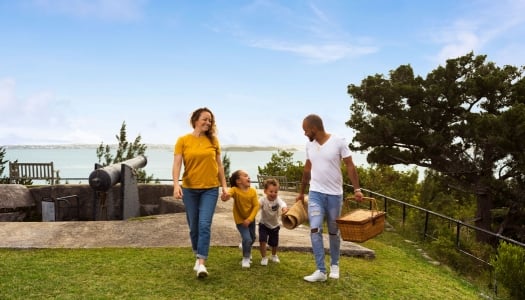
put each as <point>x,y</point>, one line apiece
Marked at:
<point>225,196</point>
<point>177,192</point>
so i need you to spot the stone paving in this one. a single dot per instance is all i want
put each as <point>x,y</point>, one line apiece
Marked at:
<point>168,230</point>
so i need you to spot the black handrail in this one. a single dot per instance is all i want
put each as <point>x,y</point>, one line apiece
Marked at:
<point>458,223</point>
<point>429,212</point>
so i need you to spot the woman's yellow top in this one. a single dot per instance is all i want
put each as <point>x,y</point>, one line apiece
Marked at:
<point>199,157</point>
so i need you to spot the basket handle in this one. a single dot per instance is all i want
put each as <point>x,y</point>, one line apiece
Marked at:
<point>373,203</point>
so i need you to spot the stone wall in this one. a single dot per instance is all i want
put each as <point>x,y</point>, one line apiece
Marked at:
<point>149,197</point>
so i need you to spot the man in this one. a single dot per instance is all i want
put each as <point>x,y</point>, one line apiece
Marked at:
<point>322,170</point>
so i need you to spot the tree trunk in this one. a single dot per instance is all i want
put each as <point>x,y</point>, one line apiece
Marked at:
<point>483,216</point>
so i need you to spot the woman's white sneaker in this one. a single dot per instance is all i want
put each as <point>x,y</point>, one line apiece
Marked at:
<point>196,266</point>
<point>201,271</point>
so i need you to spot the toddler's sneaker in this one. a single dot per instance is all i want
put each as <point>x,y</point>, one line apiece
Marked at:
<point>264,261</point>
<point>201,271</point>
<point>334,272</point>
<point>245,263</point>
<point>275,259</point>
<point>316,276</point>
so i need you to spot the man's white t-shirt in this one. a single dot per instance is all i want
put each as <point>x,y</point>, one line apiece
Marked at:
<point>326,159</point>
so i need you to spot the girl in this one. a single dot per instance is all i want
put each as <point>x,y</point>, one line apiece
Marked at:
<point>245,208</point>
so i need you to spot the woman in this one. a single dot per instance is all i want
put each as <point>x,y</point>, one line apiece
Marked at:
<point>200,153</point>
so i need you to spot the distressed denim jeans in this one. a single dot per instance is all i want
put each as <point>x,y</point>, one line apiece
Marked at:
<point>319,206</point>
<point>200,206</point>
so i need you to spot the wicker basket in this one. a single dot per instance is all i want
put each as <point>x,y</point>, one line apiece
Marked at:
<point>360,225</point>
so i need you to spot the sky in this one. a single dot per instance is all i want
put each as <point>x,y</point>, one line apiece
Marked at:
<point>72,71</point>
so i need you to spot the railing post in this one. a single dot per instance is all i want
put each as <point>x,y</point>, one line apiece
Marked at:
<point>404,213</point>
<point>458,229</point>
<point>426,225</point>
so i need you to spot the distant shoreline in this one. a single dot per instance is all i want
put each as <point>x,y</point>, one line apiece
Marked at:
<point>236,148</point>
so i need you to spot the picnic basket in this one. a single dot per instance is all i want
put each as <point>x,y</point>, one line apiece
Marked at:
<point>360,225</point>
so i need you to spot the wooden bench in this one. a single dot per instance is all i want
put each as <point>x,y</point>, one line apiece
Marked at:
<point>284,185</point>
<point>34,171</point>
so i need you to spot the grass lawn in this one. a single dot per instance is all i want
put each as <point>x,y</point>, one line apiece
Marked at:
<point>397,272</point>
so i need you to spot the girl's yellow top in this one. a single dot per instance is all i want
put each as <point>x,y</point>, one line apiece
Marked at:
<point>245,205</point>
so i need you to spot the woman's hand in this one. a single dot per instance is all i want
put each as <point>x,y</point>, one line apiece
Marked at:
<point>177,192</point>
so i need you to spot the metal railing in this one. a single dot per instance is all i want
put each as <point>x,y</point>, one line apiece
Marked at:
<point>429,213</point>
<point>458,224</point>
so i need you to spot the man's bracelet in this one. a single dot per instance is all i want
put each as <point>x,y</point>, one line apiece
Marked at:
<point>357,190</point>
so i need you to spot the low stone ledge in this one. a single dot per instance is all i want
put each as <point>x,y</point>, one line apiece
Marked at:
<point>170,205</point>
<point>15,202</point>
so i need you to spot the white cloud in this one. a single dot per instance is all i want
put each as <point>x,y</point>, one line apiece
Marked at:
<point>307,32</point>
<point>480,27</point>
<point>322,53</point>
<point>458,41</point>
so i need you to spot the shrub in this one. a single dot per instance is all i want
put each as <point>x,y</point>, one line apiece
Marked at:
<point>508,268</point>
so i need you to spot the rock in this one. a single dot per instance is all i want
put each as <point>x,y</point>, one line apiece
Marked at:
<point>149,209</point>
<point>15,202</point>
<point>169,205</point>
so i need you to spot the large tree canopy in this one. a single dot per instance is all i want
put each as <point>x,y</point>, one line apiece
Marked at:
<point>465,120</point>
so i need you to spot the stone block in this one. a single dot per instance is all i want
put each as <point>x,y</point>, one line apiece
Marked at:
<point>169,205</point>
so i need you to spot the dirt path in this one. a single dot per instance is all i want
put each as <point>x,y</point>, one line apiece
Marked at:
<point>168,230</point>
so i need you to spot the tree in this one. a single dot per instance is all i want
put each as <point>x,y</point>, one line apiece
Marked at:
<point>226,163</point>
<point>281,164</point>
<point>124,151</point>
<point>3,179</point>
<point>465,120</point>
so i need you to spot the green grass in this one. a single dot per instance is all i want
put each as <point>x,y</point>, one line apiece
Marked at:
<point>397,272</point>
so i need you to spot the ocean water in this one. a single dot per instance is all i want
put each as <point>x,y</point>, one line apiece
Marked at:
<point>78,163</point>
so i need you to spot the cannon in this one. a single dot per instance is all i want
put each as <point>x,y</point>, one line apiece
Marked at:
<point>102,179</point>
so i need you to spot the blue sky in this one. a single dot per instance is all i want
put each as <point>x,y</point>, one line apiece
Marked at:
<point>71,71</point>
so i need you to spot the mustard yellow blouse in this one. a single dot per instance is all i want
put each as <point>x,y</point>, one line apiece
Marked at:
<point>199,157</point>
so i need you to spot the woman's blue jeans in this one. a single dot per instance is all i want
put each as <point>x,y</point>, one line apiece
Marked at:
<point>200,206</point>
<point>319,206</point>
<point>248,238</point>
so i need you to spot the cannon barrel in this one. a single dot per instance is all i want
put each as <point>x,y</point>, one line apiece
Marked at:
<point>103,179</point>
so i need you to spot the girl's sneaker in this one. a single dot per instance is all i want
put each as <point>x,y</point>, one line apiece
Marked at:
<point>245,263</point>
<point>275,259</point>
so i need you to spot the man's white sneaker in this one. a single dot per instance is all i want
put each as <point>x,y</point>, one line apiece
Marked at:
<point>334,272</point>
<point>245,262</point>
<point>264,261</point>
<point>316,276</point>
<point>201,271</point>
<point>275,259</point>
